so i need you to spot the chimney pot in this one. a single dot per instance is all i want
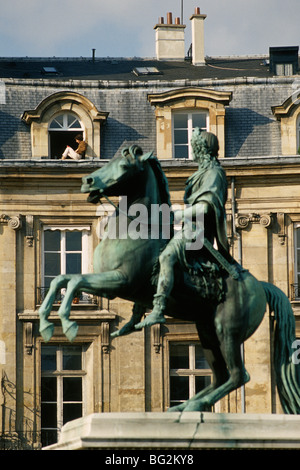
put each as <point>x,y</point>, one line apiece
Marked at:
<point>177,20</point>
<point>161,20</point>
<point>197,11</point>
<point>169,18</point>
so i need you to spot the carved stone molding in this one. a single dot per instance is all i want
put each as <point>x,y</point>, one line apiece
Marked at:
<point>242,221</point>
<point>156,337</point>
<point>29,230</point>
<point>14,222</point>
<point>105,338</point>
<point>28,337</point>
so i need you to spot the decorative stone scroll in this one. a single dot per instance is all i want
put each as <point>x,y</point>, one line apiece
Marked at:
<point>243,221</point>
<point>15,222</point>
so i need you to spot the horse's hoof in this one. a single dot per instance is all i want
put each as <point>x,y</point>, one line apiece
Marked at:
<point>176,408</point>
<point>71,330</point>
<point>47,332</point>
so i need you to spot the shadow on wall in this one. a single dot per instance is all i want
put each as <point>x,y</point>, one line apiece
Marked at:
<point>246,133</point>
<point>10,128</point>
<point>117,135</point>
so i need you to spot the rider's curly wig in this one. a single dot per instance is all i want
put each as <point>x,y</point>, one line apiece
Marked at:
<point>205,146</point>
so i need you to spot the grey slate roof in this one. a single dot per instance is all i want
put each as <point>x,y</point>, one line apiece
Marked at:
<point>123,68</point>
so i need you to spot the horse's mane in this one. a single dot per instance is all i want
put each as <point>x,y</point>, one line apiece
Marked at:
<point>160,177</point>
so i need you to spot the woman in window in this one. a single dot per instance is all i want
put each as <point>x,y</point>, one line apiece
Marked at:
<point>77,154</point>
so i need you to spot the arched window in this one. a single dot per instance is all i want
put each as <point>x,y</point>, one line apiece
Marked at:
<point>62,132</point>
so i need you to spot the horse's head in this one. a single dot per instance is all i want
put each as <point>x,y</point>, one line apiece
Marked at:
<point>112,178</point>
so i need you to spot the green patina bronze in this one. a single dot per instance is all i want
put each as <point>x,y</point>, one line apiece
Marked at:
<point>205,286</point>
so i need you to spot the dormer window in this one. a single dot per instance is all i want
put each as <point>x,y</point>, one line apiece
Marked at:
<point>284,60</point>
<point>57,120</point>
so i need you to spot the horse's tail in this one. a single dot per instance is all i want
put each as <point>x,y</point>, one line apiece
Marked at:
<point>287,374</point>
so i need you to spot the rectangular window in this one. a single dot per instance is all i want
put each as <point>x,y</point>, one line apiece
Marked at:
<point>284,69</point>
<point>296,286</point>
<point>183,125</point>
<point>189,371</point>
<point>65,251</point>
<point>62,388</point>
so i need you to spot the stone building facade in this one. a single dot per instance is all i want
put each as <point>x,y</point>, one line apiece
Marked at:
<point>47,227</point>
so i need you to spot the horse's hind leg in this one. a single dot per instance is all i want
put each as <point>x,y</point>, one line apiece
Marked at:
<point>217,364</point>
<point>46,327</point>
<point>129,327</point>
<point>238,376</point>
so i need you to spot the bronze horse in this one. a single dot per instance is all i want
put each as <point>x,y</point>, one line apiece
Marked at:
<point>125,268</point>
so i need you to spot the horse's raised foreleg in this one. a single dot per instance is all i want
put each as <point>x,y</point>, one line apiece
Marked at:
<point>129,327</point>
<point>98,284</point>
<point>46,328</point>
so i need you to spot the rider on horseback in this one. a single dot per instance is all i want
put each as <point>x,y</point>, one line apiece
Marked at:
<point>206,191</point>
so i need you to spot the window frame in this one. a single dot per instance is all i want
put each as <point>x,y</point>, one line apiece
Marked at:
<point>191,372</point>
<point>190,113</point>
<point>84,248</point>
<point>60,374</point>
<point>85,260</point>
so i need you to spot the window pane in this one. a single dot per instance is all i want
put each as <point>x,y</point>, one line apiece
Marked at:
<point>180,121</point>
<point>49,414</point>
<point>72,359</point>
<point>52,240</point>
<point>180,137</point>
<point>202,382</point>
<point>181,151</point>
<point>57,123</point>
<point>73,263</point>
<point>199,120</point>
<point>73,241</point>
<point>73,122</point>
<point>48,358</point>
<point>179,388</point>
<point>72,389</point>
<point>49,389</point>
<point>201,362</point>
<point>72,411</point>
<point>52,264</point>
<point>48,437</point>
<point>179,356</point>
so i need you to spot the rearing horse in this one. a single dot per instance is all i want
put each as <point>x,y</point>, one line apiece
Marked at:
<point>125,268</point>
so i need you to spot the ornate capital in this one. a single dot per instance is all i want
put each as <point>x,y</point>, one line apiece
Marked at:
<point>242,221</point>
<point>15,222</point>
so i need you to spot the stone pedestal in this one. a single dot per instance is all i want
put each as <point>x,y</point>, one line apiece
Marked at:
<point>175,431</point>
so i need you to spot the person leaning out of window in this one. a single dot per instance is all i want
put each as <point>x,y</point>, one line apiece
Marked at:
<point>77,154</point>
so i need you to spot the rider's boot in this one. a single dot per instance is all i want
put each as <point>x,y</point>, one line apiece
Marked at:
<point>157,314</point>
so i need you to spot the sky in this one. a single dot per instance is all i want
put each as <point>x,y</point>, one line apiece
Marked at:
<point>125,28</point>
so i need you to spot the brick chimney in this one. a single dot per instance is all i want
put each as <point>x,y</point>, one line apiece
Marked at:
<point>197,20</point>
<point>169,39</point>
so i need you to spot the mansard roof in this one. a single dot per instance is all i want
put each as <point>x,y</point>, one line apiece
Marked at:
<point>133,69</point>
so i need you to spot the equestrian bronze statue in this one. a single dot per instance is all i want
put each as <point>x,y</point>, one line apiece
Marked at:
<point>186,274</point>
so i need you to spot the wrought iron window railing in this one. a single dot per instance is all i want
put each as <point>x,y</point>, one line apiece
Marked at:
<point>295,292</point>
<point>28,440</point>
<point>80,298</point>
